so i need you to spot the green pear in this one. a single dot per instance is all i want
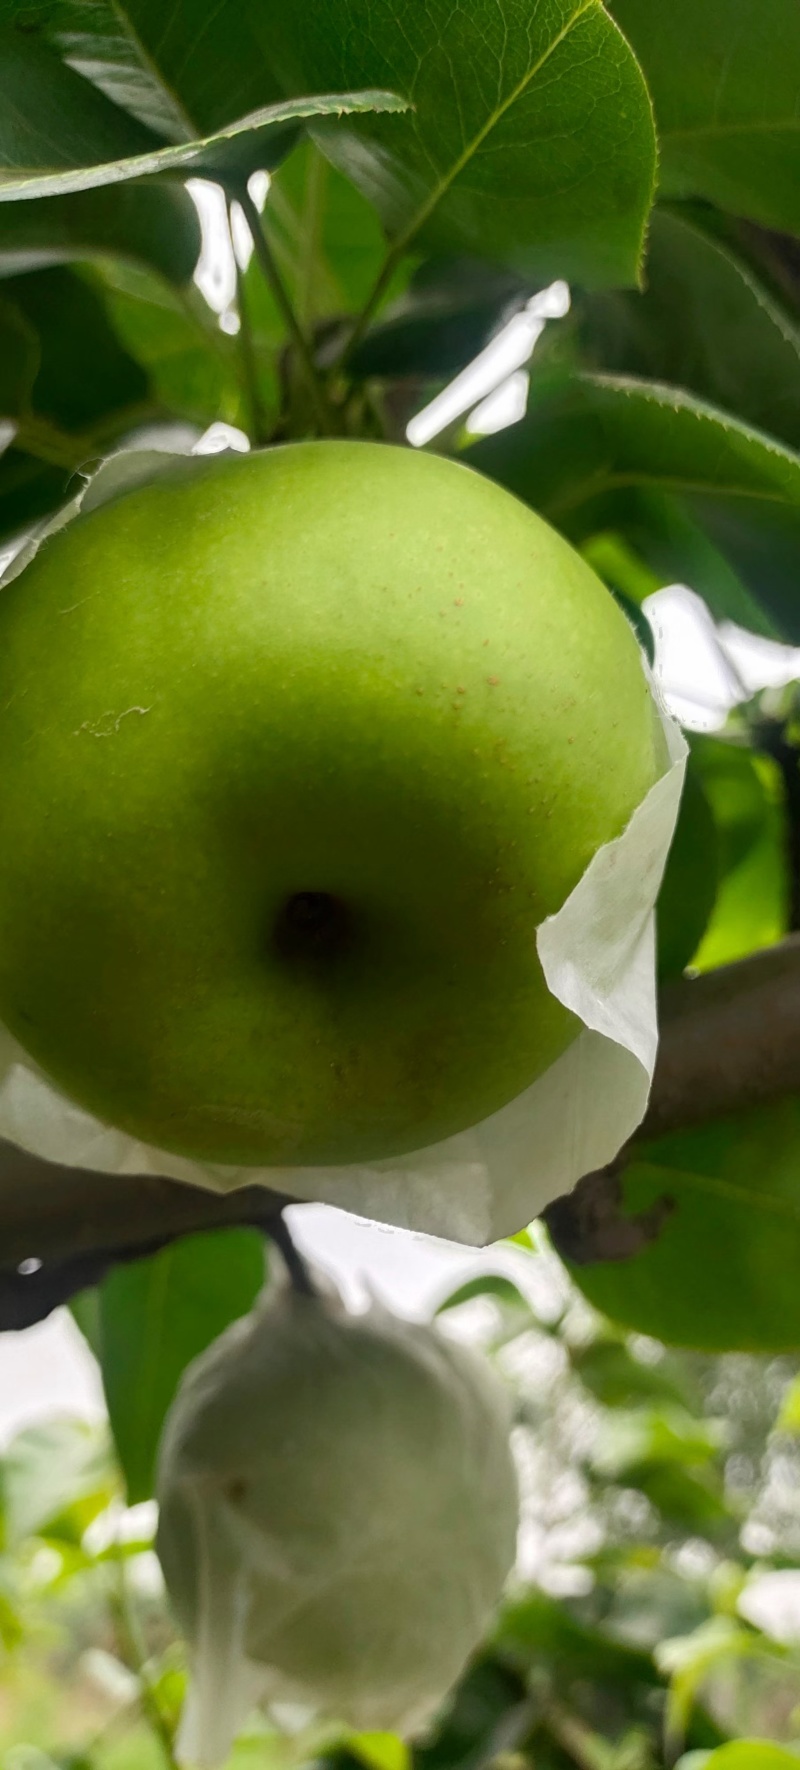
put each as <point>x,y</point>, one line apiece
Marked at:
<point>297,750</point>
<point>338,1514</point>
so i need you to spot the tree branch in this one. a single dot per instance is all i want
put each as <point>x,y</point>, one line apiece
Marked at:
<point>729,1040</point>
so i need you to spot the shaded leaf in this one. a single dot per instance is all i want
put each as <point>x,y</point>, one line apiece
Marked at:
<point>722,1273</point>
<point>19,359</point>
<point>83,372</point>
<point>540,1629</point>
<point>50,116</point>
<point>689,887</point>
<point>530,141</point>
<point>326,238</point>
<point>183,70</point>
<point>479,1720</point>
<point>725,80</point>
<point>704,322</point>
<point>677,550</point>
<point>452,307</point>
<point>601,431</point>
<point>155,1316</point>
<point>596,434</point>
<point>155,225</point>
<point>690,1659</point>
<point>29,489</point>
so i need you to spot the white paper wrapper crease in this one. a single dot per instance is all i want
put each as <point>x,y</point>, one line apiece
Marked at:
<point>598,956</point>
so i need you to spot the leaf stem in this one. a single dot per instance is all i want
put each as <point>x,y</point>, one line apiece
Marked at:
<point>299,1276</point>
<point>373,301</point>
<point>325,415</point>
<point>257,425</point>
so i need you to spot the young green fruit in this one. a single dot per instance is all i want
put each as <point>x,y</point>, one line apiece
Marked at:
<point>338,1514</point>
<point>297,750</point>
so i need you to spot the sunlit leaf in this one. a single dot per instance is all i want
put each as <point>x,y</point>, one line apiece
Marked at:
<point>155,225</point>
<point>751,903</point>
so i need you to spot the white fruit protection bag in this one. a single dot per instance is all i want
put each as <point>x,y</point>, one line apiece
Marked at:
<point>598,958</point>
<point>402,1567</point>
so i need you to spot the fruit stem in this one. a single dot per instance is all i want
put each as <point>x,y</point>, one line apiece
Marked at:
<point>325,414</point>
<point>299,1275</point>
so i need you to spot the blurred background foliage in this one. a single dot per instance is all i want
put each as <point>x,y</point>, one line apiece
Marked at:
<point>655,1613</point>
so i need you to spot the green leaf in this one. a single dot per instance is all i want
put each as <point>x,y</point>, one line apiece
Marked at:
<point>325,237</point>
<point>669,1456</point>
<point>264,136</point>
<point>449,312</point>
<point>691,1659</point>
<point>50,116</point>
<point>83,373</point>
<point>689,887</point>
<point>745,796</point>
<point>678,550</point>
<point>620,567</point>
<point>725,80</point>
<point>627,1440</point>
<point>54,1475</point>
<point>722,1273</point>
<point>154,225</point>
<point>489,1284</point>
<point>593,435</point>
<point>598,432</point>
<point>155,1316</point>
<point>194,370</point>
<point>19,359</point>
<point>530,141</point>
<point>704,322</point>
<point>183,70</point>
<point>545,1633</point>
<point>610,1372</point>
<point>29,490</point>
